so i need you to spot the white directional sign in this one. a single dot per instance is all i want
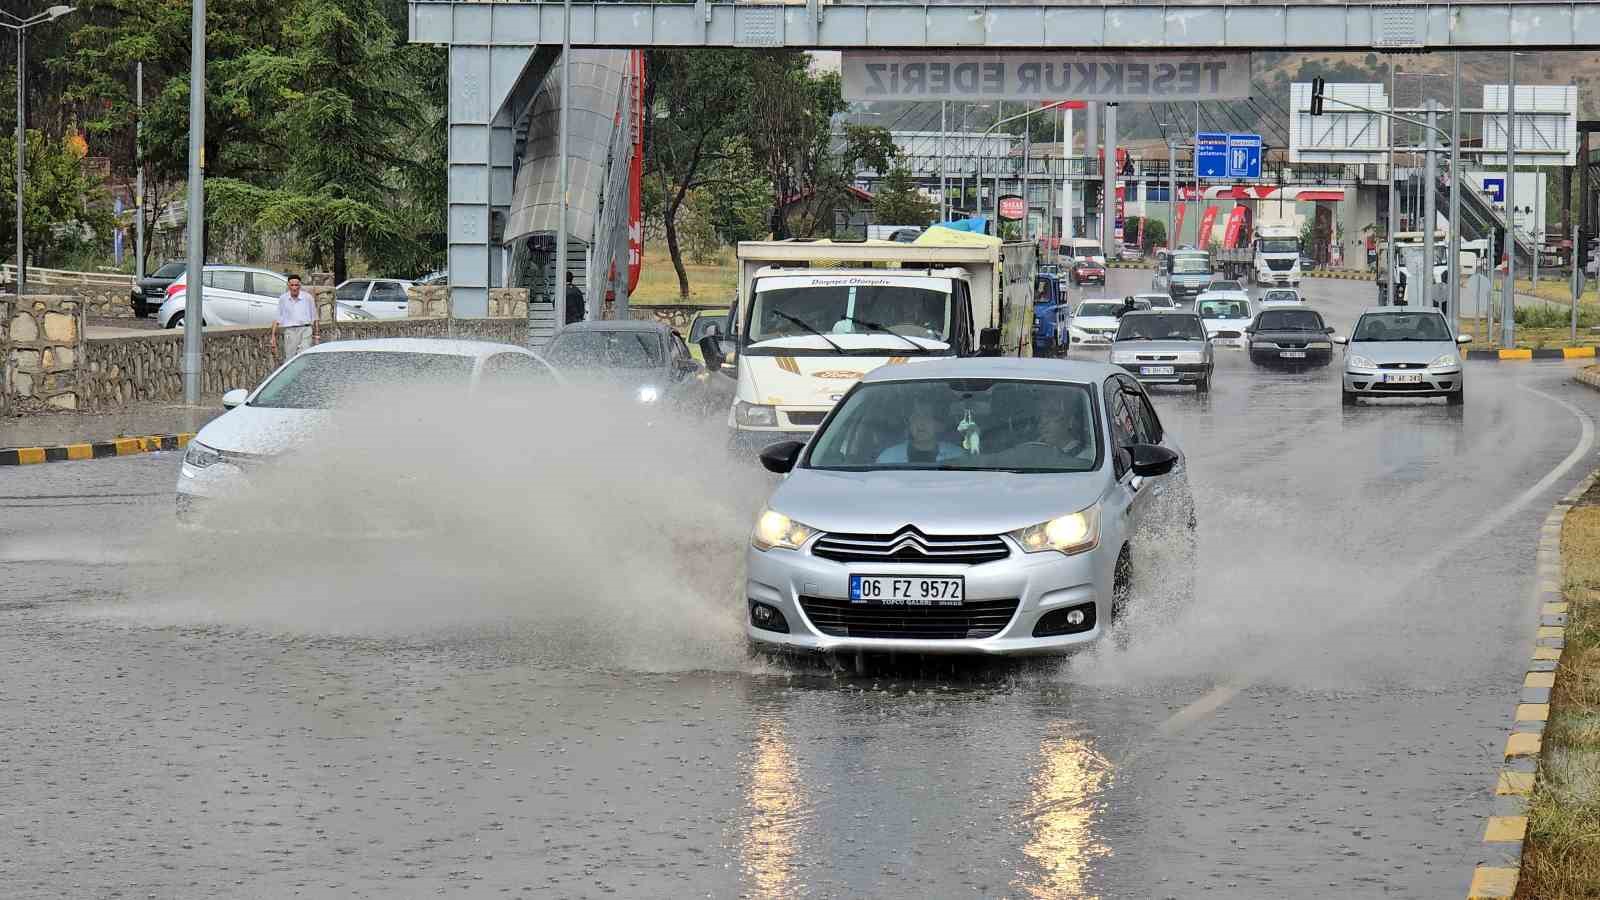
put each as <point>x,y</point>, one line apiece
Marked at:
<point>1030,75</point>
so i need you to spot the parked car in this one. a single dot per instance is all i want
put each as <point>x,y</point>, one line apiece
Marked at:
<point>293,404</point>
<point>1164,348</point>
<point>151,291</point>
<point>967,506</point>
<point>1095,322</point>
<point>1225,315</point>
<point>1290,337</point>
<point>234,295</point>
<point>1403,351</point>
<point>432,278</point>
<point>385,298</point>
<point>647,359</point>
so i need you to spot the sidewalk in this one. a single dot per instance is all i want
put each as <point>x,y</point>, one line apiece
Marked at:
<point>136,420</point>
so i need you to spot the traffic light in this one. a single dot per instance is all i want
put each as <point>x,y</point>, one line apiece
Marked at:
<point>1317,87</point>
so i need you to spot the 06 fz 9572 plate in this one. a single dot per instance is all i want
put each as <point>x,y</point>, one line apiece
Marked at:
<point>908,590</point>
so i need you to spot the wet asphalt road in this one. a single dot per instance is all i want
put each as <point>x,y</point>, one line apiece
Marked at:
<point>1323,716</point>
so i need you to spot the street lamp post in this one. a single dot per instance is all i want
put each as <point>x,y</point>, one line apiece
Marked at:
<point>21,26</point>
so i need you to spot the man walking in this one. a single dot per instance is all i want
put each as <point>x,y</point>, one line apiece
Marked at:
<point>575,304</point>
<point>297,316</point>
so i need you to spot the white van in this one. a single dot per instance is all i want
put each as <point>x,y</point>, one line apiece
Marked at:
<point>1082,248</point>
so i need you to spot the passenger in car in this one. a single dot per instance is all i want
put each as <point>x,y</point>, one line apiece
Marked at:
<point>922,444</point>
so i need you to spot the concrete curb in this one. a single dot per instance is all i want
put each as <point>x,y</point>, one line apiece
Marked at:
<point>1541,353</point>
<point>127,446</point>
<point>1500,866</point>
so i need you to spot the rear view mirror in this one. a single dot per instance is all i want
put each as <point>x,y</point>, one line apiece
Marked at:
<point>1328,329</point>
<point>235,398</point>
<point>711,351</point>
<point>782,456</point>
<point>1152,459</point>
<point>1463,338</point>
<point>1340,339</point>
<point>989,342</point>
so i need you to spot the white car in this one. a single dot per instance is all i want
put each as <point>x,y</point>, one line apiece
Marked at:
<point>385,298</point>
<point>1226,315</point>
<point>1094,322</point>
<point>1158,300</point>
<point>234,295</point>
<point>1281,297</point>
<point>303,396</point>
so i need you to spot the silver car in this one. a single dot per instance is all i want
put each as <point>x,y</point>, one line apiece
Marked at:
<point>1402,351</point>
<point>976,506</point>
<point>1164,348</point>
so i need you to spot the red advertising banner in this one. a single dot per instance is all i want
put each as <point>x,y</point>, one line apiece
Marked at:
<point>1177,226</point>
<point>1230,235</point>
<point>1202,238</point>
<point>1139,241</point>
<point>636,176</point>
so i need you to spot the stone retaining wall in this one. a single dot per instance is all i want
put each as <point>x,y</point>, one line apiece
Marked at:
<point>675,316</point>
<point>105,303</point>
<point>6,305</point>
<point>44,333</point>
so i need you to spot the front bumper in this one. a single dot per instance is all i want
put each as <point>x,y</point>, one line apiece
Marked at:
<point>1182,373</point>
<point>1432,383</point>
<point>1272,355</point>
<point>1039,583</point>
<point>1090,278</point>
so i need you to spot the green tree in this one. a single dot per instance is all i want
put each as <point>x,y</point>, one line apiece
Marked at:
<point>900,202</point>
<point>1155,232</point>
<point>790,128</point>
<point>62,208</point>
<point>339,95</point>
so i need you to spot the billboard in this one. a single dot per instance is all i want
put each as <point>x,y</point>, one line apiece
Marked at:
<point>1155,77</point>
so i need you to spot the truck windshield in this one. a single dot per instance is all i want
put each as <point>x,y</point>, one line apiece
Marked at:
<point>846,305</point>
<point>1191,265</point>
<point>1278,245</point>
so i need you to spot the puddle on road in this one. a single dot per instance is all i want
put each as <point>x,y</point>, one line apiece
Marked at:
<point>552,532</point>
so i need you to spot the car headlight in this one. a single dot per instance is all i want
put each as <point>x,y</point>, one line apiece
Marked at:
<point>1077,332</point>
<point>755,414</point>
<point>649,394</point>
<point>1357,361</point>
<point>1190,357</point>
<point>774,529</point>
<point>200,456</point>
<point>1069,534</point>
<point>1319,345</point>
<point>1124,356</point>
<point>1447,361</point>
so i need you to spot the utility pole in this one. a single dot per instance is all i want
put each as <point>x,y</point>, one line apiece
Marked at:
<point>22,142</point>
<point>1430,212</point>
<point>1066,174</point>
<point>560,280</point>
<point>1389,252</point>
<point>1508,311</point>
<point>138,178</point>
<point>194,293</point>
<point>1091,143</point>
<point>944,165</point>
<point>1454,293</point>
<point>1108,189</point>
<point>1027,177</point>
<point>1172,191</point>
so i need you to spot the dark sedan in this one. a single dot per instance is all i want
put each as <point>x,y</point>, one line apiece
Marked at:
<point>1296,338</point>
<point>646,359</point>
<point>151,291</point>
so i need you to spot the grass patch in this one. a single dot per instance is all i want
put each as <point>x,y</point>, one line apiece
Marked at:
<point>1561,858</point>
<point>1557,289</point>
<point>1531,336</point>
<point>709,285</point>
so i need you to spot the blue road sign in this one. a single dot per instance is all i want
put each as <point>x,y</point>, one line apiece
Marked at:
<point>1496,187</point>
<point>1244,156</point>
<point>1211,154</point>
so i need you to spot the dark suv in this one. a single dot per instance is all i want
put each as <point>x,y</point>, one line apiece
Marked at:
<point>151,291</point>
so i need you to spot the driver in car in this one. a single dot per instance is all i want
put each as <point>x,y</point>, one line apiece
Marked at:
<point>922,445</point>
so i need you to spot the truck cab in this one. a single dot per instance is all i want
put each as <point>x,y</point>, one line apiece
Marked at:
<point>1276,257</point>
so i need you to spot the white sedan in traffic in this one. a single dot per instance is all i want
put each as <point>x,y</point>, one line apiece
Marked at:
<point>1226,316</point>
<point>1094,323</point>
<point>1281,297</point>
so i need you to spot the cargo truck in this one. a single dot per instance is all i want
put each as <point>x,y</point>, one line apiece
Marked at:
<point>1273,258</point>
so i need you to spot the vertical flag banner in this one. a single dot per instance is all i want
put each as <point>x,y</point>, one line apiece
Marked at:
<point>1230,236</point>
<point>1202,240</point>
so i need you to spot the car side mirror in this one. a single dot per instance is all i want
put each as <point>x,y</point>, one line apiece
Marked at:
<point>1152,459</point>
<point>1463,339</point>
<point>1340,339</point>
<point>1328,330</point>
<point>711,351</point>
<point>235,398</point>
<point>781,457</point>
<point>989,342</point>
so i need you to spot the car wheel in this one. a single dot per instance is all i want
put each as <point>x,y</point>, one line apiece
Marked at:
<point>1349,398</point>
<point>1456,398</point>
<point>1203,386</point>
<point>1121,586</point>
<point>176,321</point>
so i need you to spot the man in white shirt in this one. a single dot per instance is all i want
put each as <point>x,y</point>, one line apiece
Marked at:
<point>297,316</point>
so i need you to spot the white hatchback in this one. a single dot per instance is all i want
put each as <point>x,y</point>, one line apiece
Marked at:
<point>234,295</point>
<point>384,298</point>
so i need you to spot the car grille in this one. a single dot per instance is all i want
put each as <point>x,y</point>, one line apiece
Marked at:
<point>1385,386</point>
<point>910,545</point>
<point>841,618</point>
<point>1291,345</point>
<point>1412,365</point>
<point>808,418</point>
<point>1226,334</point>
<point>1145,357</point>
<point>1280,265</point>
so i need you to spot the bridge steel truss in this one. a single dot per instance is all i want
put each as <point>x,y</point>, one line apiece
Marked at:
<point>499,50</point>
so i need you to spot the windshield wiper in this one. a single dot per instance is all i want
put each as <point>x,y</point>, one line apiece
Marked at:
<point>882,329</point>
<point>807,326</point>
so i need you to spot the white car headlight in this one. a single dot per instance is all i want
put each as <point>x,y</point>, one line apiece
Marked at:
<point>1069,534</point>
<point>200,456</point>
<point>1357,361</point>
<point>1188,356</point>
<point>1124,356</point>
<point>649,394</point>
<point>1447,361</point>
<point>1320,345</point>
<point>774,529</point>
<point>755,414</point>
<point>1077,332</point>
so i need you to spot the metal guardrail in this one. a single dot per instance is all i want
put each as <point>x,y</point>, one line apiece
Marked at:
<point>64,277</point>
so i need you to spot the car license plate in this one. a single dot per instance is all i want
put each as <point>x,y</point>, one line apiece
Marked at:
<point>1293,354</point>
<point>1155,370</point>
<point>907,590</point>
<point>1392,378</point>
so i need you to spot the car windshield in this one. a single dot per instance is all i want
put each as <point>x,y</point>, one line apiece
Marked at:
<point>1223,309</point>
<point>327,380</point>
<point>1099,308</point>
<point>1280,297</point>
<point>1161,328</point>
<point>1279,245</point>
<point>845,306</point>
<point>607,350</point>
<point>1190,265</point>
<point>1418,326</point>
<point>1226,286</point>
<point>988,425</point>
<point>170,270</point>
<point>1289,320</point>
<point>1087,250</point>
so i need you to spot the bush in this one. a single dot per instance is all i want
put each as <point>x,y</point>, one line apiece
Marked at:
<point>1554,316</point>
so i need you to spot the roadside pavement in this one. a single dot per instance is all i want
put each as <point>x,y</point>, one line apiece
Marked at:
<point>136,420</point>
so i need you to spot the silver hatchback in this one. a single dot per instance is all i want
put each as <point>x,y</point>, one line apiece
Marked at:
<point>1164,348</point>
<point>977,506</point>
<point>1400,351</point>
